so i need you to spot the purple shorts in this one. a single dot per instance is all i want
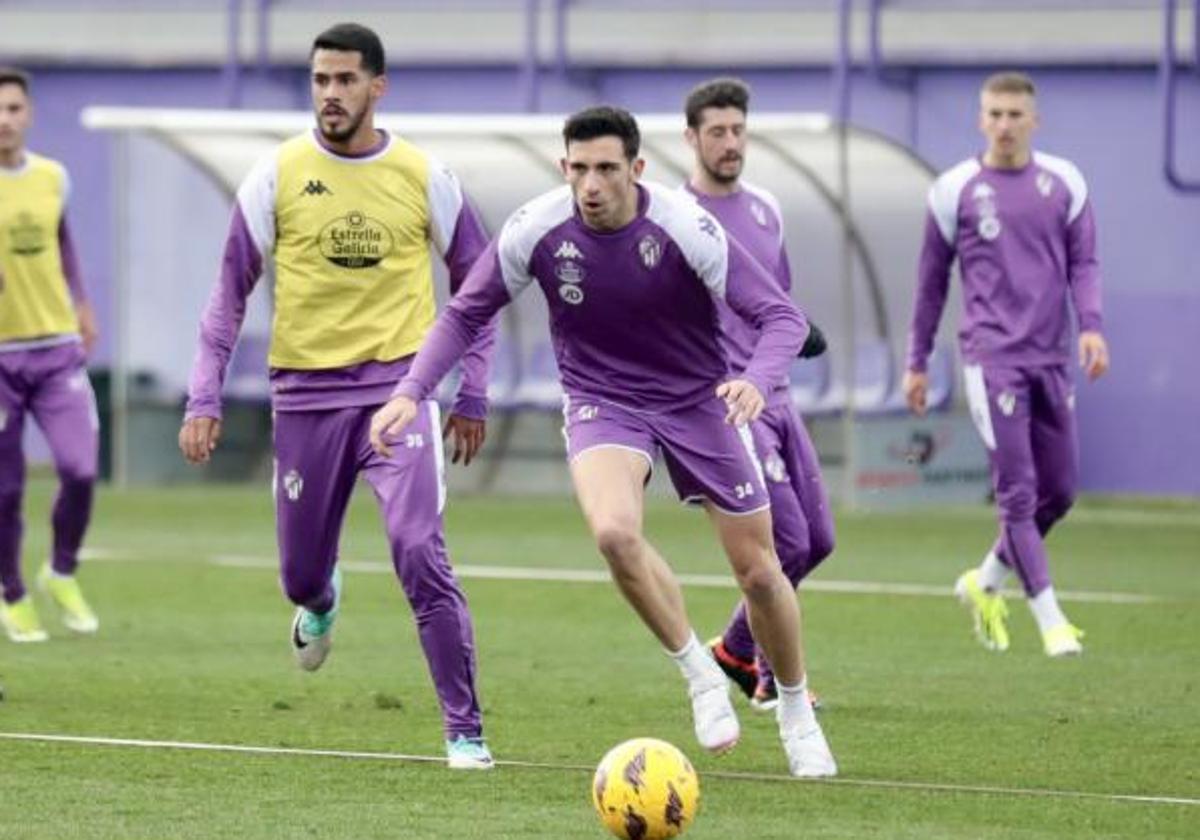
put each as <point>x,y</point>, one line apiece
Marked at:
<point>707,458</point>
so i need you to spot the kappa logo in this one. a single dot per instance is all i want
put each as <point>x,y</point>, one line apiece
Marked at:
<point>1045,184</point>
<point>709,225</point>
<point>650,250</point>
<point>759,213</point>
<point>316,187</point>
<point>293,485</point>
<point>568,250</point>
<point>1007,401</point>
<point>982,191</point>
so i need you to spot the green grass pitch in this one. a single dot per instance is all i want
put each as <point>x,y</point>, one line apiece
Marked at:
<point>191,650</point>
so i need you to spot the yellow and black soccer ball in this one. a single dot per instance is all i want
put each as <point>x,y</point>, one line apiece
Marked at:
<point>645,789</point>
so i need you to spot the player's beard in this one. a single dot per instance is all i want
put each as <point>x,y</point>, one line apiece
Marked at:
<point>344,134</point>
<point>724,177</point>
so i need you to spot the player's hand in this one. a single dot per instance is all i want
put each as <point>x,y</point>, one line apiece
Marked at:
<point>198,438</point>
<point>916,389</point>
<point>1093,354</point>
<point>469,435</point>
<point>390,421</point>
<point>88,330</point>
<point>743,399</point>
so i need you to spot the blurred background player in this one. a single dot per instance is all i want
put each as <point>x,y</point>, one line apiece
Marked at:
<point>630,272</point>
<point>801,519</point>
<point>47,330</point>
<point>347,212</point>
<point>1020,224</point>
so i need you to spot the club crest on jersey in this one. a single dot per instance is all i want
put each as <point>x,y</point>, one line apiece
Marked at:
<point>571,294</point>
<point>569,272</point>
<point>1045,184</point>
<point>293,485</point>
<point>568,250</point>
<point>759,213</point>
<point>650,250</point>
<point>1007,402</point>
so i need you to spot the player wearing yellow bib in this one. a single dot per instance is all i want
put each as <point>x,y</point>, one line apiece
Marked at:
<point>347,213</point>
<point>46,331</point>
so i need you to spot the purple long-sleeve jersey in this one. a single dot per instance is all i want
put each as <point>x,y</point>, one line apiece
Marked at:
<point>455,231</point>
<point>1026,243</point>
<point>753,217</point>
<point>633,312</point>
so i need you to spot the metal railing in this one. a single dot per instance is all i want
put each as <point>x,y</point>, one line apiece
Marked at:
<point>1168,81</point>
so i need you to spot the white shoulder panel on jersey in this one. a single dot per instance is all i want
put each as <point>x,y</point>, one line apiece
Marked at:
<point>524,229</point>
<point>256,198</point>
<point>445,197</point>
<point>768,198</point>
<point>697,233</point>
<point>1071,176</point>
<point>944,195</point>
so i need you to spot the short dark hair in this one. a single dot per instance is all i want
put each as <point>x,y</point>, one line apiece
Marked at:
<point>13,76</point>
<point>353,37</point>
<point>1010,81</point>
<point>604,121</point>
<point>725,92</point>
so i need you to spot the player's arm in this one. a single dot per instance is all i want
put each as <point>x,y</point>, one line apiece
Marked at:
<point>465,318</point>
<point>933,284</point>
<point>460,238</point>
<point>88,331</point>
<point>1083,275</point>
<point>814,342</point>
<point>251,236</point>
<point>756,297</point>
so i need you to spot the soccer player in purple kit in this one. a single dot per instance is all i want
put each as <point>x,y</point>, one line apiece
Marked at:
<point>801,518</point>
<point>46,331</point>
<point>630,272</point>
<point>1020,224</point>
<point>347,213</point>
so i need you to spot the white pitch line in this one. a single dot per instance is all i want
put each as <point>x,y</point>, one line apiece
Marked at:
<point>890,784</point>
<point>530,573</point>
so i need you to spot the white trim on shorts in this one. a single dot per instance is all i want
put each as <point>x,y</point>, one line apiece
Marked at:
<point>700,498</point>
<point>642,452</point>
<point>439,451</point>
<point>980,406</point>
